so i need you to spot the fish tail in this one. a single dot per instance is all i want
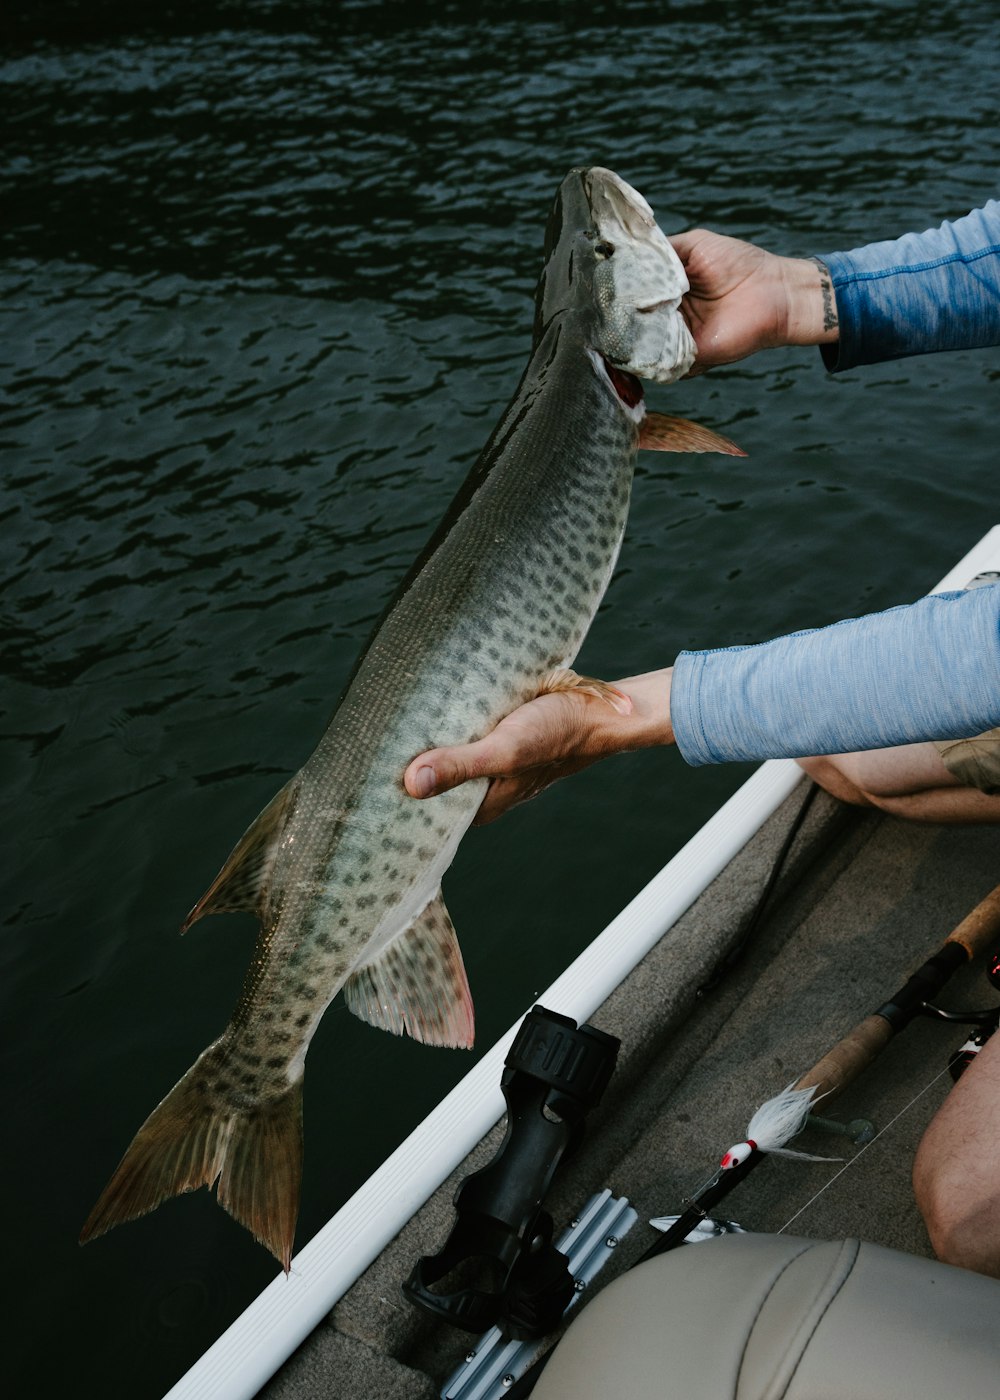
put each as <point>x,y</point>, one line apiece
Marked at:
<point>202,1133</point>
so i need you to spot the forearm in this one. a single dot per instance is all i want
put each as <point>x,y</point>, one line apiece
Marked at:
<point>928,671</point>
<point>938,290</point>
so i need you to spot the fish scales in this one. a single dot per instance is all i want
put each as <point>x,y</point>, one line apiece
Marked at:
<point>343,868</point>
<point>428,658</point>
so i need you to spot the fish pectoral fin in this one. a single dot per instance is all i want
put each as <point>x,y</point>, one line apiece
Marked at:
<point>658,432</point>
<point>240,883</point>
<point>416,985</point>
<point>565,679</point>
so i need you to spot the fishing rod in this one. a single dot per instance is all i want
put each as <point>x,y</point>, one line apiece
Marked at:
<point>777,1121</point>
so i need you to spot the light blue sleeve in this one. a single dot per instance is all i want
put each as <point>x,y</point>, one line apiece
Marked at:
<point>927,671</point>
<point>938,290</point>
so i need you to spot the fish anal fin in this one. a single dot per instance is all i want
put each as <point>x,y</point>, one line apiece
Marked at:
<point>416,985</point>
<point>240,883</point>
<point>197,1136</point>
<point>565,679</point>
<point>659,432</point>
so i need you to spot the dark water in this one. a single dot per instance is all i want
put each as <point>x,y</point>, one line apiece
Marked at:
<point>267,273</point>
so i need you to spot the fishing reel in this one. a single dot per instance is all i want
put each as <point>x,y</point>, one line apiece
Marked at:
<point>983,1023</point>
<point>499,1266</point>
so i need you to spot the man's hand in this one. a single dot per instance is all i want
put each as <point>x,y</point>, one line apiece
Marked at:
<point>744,299</point>
<point>546,739</point>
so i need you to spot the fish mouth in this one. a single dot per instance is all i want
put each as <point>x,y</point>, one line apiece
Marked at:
<point>620,382</point>
<point>625,384</point>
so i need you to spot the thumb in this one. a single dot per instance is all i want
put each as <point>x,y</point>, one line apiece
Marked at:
<point>439,770</point>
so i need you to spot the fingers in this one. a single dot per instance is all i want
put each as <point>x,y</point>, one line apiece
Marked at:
<point>505,793</point>
<point>441,769</point>
<point>435,772</point>
<point>538,732</point>
<point>686,242</point>
<point>714,261</point>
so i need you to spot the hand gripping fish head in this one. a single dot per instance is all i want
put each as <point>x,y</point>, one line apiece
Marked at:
<point>343,869</point>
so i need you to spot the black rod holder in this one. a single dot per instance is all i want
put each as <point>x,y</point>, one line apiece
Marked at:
<point>505,1269</point>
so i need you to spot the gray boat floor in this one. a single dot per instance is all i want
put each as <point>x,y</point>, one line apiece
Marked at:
<point>862,900</point>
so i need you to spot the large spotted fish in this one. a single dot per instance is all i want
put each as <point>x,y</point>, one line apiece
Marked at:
<point>343,869</point>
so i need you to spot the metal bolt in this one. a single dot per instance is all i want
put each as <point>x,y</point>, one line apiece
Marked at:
<point>579,1284</point>
<point>470,1356</point>
<point>612,1242</point>
<point>858,1130</point>
<point>508,1380</point>
<point>862,1130</point>
<point>573,1224</point>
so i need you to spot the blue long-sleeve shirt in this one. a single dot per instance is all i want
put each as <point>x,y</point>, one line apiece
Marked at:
<point>938,290</point>
<point>928,671</point>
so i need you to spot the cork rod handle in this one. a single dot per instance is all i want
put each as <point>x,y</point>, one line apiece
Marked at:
<point>844,1062</point>
<point>981,927</point>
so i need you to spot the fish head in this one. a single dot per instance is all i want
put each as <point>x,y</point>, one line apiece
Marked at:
<point>609,265</point>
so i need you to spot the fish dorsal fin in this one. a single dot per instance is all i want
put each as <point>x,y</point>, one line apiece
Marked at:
<point>416,984</point>
<point>240,883</point>
<point>658,432</point>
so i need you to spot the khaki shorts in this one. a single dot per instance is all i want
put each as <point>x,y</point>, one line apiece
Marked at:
<point>974,762</point>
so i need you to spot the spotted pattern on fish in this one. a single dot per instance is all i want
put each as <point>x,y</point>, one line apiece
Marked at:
<point>343,869</point>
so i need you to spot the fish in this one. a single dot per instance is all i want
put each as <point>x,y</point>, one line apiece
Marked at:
<point>343,869</point>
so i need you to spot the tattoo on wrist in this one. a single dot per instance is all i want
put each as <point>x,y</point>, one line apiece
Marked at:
<point>830,320</point>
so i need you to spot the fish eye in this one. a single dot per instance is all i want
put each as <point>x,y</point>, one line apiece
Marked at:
<point>604,250</point>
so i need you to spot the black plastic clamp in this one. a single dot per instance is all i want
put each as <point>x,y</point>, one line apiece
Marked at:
<point>505,1270</point>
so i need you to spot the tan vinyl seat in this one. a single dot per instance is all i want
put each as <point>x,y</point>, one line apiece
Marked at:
<point>770,1317</point>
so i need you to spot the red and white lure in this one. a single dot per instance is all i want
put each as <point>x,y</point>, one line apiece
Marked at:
<point>775,1123</point>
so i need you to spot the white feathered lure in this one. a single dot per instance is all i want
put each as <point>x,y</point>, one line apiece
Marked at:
<point>775,1123</point>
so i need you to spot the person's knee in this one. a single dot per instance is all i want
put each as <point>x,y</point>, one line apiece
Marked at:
<point>968,1241</point>
<point>930,1188</point>
<point>961,1215</point>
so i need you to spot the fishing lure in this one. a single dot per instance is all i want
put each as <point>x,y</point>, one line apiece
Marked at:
<point>775,1123</point>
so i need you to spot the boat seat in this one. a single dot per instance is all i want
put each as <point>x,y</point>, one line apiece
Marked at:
<point>772,1317</point>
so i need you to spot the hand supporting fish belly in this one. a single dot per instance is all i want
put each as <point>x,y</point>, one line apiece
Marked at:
<point>343,869</point>
<point>547,739</point>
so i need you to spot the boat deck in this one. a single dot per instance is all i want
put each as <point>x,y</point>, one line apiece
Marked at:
<point>862,899</point>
